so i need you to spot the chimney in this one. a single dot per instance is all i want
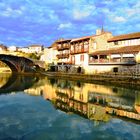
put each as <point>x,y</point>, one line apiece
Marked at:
<point>98,31</point>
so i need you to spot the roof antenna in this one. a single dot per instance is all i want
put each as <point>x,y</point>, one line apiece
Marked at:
<point>102,29</point>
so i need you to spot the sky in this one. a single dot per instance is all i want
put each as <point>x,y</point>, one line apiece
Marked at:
<point>26,22</point>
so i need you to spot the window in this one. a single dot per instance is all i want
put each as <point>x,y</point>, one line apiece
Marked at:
<point>82,57</point>
<point>116,43</point>
<point>94,45</point>
<point>72,48</point>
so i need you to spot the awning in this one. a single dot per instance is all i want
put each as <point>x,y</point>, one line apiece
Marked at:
<point>118,50</point>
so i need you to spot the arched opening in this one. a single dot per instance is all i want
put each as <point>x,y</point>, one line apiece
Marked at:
<point>9,67</point>
<point>18,64</point>
<point>4,68</point>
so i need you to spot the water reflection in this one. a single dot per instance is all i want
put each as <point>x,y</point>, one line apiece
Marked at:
<point>4,79</point>
<point>92,101</point>
<point>12,82</point>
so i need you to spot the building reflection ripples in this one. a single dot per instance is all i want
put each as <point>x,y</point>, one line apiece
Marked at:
<point>93,101</point>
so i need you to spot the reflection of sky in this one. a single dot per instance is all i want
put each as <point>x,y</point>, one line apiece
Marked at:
<point>25,22</point>
<point>32,118</point>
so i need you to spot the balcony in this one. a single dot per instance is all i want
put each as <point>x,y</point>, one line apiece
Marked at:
<point>79,51</point>
<point>124,61</point>
<point>60,56</point>
<point>71,62</point>
<point>63,47</point>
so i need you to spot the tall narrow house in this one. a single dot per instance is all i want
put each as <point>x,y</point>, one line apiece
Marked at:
<point>63,47</point>
<point>79,51</point>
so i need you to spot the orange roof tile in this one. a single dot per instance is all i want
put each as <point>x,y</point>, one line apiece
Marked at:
<point>86,37</point>
<point>81,38</point>
<point>36,45</point>
<point>125,37</point>
<point>64,40</point>
<point>126,50</point>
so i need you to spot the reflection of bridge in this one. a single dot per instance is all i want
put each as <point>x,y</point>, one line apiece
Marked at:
<point>19,64</point>
<point>18,83</point>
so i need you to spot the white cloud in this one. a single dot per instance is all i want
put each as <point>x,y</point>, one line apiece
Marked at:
<point>53,16</point>
<point>119,19</point>
<point>72,17</point>
<point>89,28</point>
<point>115,16</point>
<point>64,25</point>
<point>133,11</point>
<point>82,9</point>
<point>12,12</point>
<point>122,11</point>
<point>77,14</point>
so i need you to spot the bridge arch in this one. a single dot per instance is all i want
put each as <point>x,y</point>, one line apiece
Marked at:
<point>10,65</point>
<point>18,64</point>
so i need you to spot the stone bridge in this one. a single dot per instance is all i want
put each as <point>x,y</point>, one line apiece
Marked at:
<point>19,64</point>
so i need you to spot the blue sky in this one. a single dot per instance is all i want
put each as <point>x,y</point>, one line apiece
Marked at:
<point>25,22</point>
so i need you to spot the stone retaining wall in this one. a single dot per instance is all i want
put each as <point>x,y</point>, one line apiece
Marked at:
<point>131,70</point>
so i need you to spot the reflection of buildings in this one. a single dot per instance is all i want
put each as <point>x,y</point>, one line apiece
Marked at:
<point>116,105</point>
<point>69,99</point>
<point>42,88</point>
<point>97,102</point>
<point>34,91</point>
<point>93,101</point>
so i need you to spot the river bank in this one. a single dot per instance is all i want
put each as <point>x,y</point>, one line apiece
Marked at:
<point>101,78</point>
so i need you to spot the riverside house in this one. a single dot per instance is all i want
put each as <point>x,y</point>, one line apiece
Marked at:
<point>76,51</point>
<point>63,48</point>
<point>101,53</point>
<point>63,56</point>
<point>35,48</point>
<point>79,49</point>
<point>49,55</point>
<point>73,52</point>
<point>119,55</point>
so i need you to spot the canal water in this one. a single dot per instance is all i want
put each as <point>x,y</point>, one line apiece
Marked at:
<point>42,108</point>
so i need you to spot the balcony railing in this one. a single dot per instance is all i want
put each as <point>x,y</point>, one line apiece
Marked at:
<point>78,51</point>
<point>59,56</point>
<point>63,47</point>
<point>127,61</point>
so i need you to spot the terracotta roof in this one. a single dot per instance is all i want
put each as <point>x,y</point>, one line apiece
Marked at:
<point>35,45</point>
<point>81,38</point>
<point>125,37</point>
<point>65,40</point>
<point>86,37</point>
<point>126,50</point>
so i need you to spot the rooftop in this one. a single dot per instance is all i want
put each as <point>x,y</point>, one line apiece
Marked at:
<point>88,37</point>
<point>36,45</point>
<point>63,40</point>
<point>81,38</point>
<point>125,37</point>
<point>126,50</point>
